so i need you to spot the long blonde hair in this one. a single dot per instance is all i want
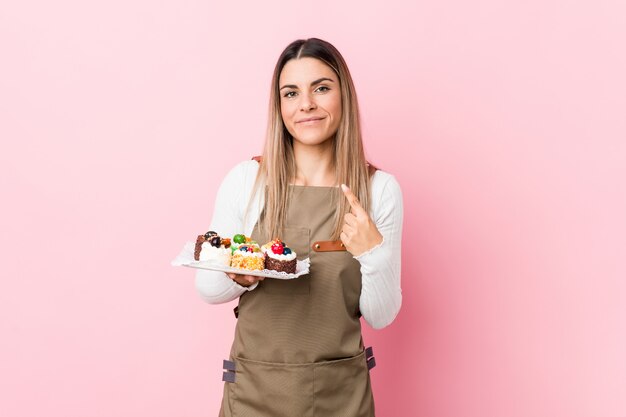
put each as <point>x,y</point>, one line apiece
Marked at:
<point>278,165</point>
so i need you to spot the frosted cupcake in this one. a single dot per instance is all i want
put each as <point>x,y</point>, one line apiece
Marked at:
<point>279,257</point>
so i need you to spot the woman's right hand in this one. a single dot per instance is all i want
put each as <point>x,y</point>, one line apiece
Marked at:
<point>244,280</point>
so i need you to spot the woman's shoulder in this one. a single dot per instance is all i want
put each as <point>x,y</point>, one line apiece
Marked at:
<point>245,167</point>
<point>244,170</point>
<point>241,176</point>
<point>382,180</point>
<point>385,189</point>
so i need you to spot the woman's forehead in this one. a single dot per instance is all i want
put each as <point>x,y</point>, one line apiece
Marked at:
<point>304,71</point>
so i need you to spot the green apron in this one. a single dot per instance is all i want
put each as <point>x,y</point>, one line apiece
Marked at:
<point>298,349</point>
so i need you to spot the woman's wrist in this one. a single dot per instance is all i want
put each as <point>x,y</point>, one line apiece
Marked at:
<point>371,249</point>
<point>245,281</point>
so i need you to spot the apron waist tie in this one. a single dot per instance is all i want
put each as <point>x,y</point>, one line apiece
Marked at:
<point>229,375</point>
<point>369,357</point>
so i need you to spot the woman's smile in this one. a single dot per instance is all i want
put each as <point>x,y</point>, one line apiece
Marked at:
<point>310,122</point>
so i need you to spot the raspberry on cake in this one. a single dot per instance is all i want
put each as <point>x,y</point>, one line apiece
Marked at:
<point>212,248</point>
<point>248,256</point>
<point>279,257</point>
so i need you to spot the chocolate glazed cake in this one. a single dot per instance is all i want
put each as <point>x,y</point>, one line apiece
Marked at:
<point>280,266</point>
<point>199,241</point>
<point>213,238</point>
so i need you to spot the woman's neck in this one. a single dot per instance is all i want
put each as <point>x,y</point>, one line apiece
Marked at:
<point>314,164</point>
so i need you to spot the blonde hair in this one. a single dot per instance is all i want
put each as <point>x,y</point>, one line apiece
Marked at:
<point>278,165</point>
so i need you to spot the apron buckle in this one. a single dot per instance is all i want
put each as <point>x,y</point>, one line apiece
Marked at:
<point>229,375</point>
<point>369,357</point>
<point>371,362</point>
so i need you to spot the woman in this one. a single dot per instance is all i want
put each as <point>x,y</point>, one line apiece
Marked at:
<point>298,349</point>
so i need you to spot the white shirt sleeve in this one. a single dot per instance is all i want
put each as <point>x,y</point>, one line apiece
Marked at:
<point>228,219</point>
<point>381,295</point>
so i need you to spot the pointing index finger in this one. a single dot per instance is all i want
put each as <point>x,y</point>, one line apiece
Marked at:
<point>352,199</point>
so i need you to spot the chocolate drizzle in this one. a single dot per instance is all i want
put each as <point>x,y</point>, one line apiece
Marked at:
<point>199,241</point>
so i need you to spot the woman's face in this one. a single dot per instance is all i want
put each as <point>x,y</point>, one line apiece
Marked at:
<point>309,89</point>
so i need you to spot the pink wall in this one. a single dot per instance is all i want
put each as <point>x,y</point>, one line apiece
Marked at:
<point>504,123</point>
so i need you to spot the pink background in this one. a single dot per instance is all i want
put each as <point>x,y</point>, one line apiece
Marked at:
<point>503,121</point>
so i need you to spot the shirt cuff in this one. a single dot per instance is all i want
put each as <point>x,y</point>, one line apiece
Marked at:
<point>369,251</point>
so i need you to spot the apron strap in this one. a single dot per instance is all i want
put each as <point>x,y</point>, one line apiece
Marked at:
<point>328,246</point>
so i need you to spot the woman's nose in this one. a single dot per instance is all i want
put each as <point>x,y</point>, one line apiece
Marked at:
<point>307,102</point>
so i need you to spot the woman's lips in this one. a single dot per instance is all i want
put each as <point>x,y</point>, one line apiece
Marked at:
<point>310,122</point>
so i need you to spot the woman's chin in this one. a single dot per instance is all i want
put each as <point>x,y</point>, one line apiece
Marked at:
<point>312,140</point>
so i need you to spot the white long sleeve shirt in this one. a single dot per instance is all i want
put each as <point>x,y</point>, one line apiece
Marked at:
<point>381,295</point>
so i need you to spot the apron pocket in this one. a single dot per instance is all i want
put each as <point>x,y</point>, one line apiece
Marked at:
<point>298,239</point>
<point>272,389</point>
<point>342,388</point>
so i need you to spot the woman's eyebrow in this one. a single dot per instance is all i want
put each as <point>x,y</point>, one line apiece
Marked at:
<point>312,84</point>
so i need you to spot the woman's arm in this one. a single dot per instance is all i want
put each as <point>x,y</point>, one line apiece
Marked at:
<point>232,197</point>
<point>381,295</point>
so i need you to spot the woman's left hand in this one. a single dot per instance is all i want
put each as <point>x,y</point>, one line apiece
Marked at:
<point>359,233</point>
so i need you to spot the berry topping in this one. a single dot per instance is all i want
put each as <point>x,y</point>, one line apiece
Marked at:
<point>215,241</point>
<point>226,242</point>
<point>250,249</point>
<point>243,248</point>
<point>277,248</point>
<point>239,239</point>
<point>286,251</point>
<point>282,243</point>
<point>209,234</point>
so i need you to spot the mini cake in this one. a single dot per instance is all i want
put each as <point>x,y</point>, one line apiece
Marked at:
<point>240,239</point>
<point>212,248</point>
<point>279,257</point>
<point>248,256</point>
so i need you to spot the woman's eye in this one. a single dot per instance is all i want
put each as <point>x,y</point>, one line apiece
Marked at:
<point>287,94</point>
<point>323,86</point>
